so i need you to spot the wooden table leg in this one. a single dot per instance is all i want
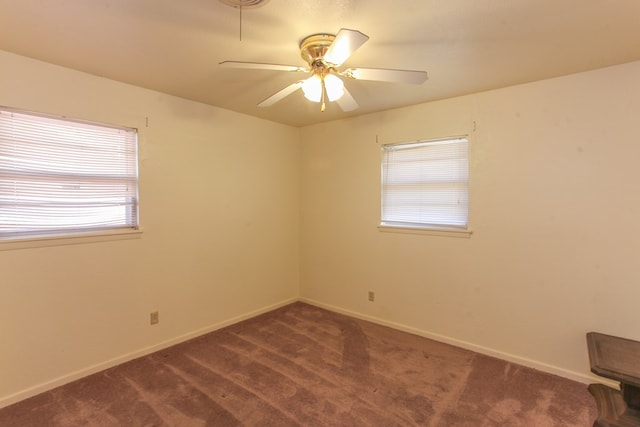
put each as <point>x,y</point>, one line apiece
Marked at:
<point>612,409</point>
<point>631,395</point>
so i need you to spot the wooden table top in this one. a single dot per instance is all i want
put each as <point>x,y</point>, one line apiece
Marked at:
<point>614,358</point>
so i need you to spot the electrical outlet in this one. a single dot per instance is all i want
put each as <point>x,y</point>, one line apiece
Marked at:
<point>154,317</point>
<point>372,296</point>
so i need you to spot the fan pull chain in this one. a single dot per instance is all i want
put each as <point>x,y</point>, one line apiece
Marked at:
<point>324,93</point>
<point>240,23</point>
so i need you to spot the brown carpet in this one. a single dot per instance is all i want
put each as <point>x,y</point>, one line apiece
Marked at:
<point>304,366</point>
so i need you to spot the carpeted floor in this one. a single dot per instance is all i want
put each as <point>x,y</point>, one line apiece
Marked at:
<point>304,366</point>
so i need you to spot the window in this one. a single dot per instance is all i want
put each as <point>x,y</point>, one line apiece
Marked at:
<point>425,184</point>
<point>65,177</point>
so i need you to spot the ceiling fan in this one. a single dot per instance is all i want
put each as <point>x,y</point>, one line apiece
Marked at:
<point>325,53</point>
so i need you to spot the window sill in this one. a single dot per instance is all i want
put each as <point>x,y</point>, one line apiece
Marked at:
<point>446,232</point>
<point>39,242</point>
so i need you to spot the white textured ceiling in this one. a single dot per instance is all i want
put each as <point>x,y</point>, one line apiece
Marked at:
<point>466,46</point>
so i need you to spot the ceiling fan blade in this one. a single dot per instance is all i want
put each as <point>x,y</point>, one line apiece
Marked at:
<point>345,43</point>
<point>386,75</point>
<point>261,66</point>
<point>346,101</point>
<point>281,94</point>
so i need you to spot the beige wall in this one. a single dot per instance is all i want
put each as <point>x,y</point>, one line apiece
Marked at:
<point>229,200</point>
<point>554,206</point>
<point>219,212</point>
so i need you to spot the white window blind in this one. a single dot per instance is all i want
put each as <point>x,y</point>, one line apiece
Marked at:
<point>425,184</point>
<point>60,176</point>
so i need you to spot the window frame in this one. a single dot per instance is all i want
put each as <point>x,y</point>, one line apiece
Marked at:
<point>417,227</point>
<point>64,234</point>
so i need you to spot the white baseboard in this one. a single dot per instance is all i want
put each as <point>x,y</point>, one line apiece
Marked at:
<point>56,382</point>
<point>544,367</point>
<point>64,379</point>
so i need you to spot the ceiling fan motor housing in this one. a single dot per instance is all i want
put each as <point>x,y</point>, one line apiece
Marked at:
<point>314,47</point>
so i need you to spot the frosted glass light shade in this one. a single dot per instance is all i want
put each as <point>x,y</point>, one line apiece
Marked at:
<point>312,87</point>
<point>334,87</point>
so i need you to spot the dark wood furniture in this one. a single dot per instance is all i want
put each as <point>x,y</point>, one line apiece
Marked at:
<point>617,359</point>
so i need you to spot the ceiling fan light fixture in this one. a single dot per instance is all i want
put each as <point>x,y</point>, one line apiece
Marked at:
<point>334,86</point>
<point>312,87</point>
